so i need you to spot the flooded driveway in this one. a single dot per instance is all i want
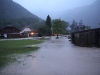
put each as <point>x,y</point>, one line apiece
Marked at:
<point>57,57</point>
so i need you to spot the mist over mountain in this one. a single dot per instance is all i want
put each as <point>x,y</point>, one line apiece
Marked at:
<point>90,14</point>
<point>10,9</point>
<point>13,13</point>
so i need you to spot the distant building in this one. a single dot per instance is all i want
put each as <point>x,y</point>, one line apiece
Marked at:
<point>9,31</point>
<point>28,32</point>
<point>25,31</point>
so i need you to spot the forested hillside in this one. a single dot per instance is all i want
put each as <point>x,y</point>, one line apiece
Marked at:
<point>13,13</point>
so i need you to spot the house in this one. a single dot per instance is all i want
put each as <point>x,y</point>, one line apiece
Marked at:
<point>28,32</point>
<point>9,31</point>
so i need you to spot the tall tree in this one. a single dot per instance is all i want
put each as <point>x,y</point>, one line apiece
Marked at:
<point>73,24</point>
<point>58,27</point>
<point>87,27</point>
<point>81,22</point>
<point>48,24</point>
<point>81,27</point>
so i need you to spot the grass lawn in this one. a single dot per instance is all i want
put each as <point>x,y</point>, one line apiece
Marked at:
<point>10,47</point>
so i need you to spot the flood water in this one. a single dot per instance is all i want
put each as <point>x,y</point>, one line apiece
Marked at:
<point>57,57</point>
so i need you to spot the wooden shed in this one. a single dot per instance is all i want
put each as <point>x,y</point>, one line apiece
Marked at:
<point>86,38</point>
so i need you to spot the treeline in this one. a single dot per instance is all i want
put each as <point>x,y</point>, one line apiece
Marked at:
<point>75,26</point>
<point>33,23</point>
<point>53,27</point>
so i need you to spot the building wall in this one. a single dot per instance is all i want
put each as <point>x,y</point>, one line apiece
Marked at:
<point>9,32</point>
<point>13,32</point>
<point>86,38</point>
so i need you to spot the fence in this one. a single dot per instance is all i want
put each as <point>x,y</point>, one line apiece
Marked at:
<point>87,38</point>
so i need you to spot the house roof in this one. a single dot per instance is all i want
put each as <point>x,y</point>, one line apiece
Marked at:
<point>25,29</point>
<point>8,26</point>
<point>86,30</point>
<point>26,26</point>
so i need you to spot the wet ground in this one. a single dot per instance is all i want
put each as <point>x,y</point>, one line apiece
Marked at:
<point>57,57</point>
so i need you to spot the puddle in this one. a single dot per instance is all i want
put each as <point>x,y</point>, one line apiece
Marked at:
<point>29,46</point>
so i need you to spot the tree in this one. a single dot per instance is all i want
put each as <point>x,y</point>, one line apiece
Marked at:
<point>81,27</point>
<point>65,23</point>
<point>73,24</point>
<point>48,24</point>
<point>58,27</point>
<point>87,27</point>
<point>81,22</point>
<point>43,30</point>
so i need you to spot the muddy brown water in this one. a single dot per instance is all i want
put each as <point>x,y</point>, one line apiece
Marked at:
<point>57,57</point>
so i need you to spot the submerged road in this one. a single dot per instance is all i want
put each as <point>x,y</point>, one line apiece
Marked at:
<point>57,57</point>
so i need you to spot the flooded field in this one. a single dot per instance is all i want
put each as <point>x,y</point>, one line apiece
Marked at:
<point>57,57</point>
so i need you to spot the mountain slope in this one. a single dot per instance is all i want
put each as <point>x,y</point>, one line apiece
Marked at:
<point>10,9</point>
<point>90,14</point>
<point>13,13</point>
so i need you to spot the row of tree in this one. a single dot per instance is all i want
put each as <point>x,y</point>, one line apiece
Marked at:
<point>58,26</point>
<point>52,27</point>
<point>78,26</point>
<point>33,23</point>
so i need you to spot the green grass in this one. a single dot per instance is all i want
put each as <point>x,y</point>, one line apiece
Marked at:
<point>11,47</point>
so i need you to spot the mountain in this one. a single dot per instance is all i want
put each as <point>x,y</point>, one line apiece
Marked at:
<point>11,12</point>
<point>90,14</point>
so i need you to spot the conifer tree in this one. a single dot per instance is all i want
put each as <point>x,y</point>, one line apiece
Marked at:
<point>48,24</point>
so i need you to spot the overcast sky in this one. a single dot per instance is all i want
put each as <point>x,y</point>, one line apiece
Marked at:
<point>42,8</point>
